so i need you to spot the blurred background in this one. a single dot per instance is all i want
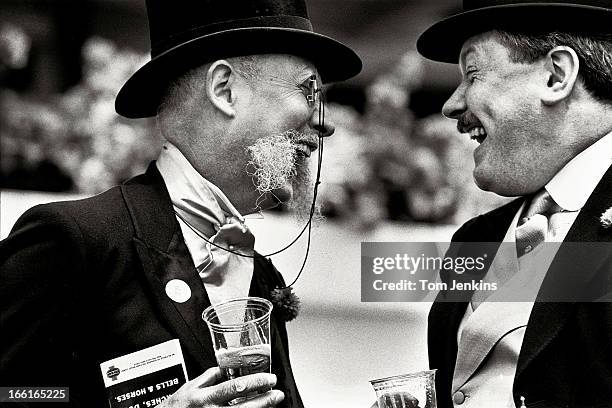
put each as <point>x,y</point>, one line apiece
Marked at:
<point>395,170</point>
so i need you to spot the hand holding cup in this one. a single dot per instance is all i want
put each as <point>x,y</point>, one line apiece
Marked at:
<point>240,332</point>
<point>206,391</point>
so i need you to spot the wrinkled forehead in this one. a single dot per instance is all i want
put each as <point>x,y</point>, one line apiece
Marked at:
<point>477,47</point>
<point>290,66</point>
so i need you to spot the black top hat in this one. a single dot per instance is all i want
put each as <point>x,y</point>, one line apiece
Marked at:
<point>443,41</point>
<point>188,33</point>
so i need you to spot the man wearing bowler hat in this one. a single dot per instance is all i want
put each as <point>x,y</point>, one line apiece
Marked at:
<point>536,96</point>
<point>235,86</point>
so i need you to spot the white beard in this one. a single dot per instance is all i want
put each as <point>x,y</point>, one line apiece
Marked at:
<point>274,163</point>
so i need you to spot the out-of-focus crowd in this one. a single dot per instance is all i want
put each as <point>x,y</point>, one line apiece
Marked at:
<point>381,164</point>
<point>74,141</point>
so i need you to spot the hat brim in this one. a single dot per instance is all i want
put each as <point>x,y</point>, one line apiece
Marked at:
<point>443,41</point>
<point>141,95</point>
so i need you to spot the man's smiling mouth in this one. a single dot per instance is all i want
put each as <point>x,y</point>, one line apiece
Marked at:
<point>477,133</point>
<point>305,148</point>
<point>469,123</point>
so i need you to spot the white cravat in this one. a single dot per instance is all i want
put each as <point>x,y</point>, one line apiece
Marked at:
<point>201,206</point>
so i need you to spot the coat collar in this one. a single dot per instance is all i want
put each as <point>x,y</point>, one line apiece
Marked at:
<point>165,257</point>
<point>150,208</point>
<point>483,235</point>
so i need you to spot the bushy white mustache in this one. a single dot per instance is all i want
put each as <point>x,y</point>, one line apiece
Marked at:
<point>273,161</point>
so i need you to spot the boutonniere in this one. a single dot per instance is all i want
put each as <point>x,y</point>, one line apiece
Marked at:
<point>606,218</point>
<point>286,303</point>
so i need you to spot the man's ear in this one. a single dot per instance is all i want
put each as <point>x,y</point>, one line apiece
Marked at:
<point>561,65</point>
<point>219,87</point>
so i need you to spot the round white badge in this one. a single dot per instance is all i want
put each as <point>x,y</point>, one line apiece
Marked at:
<point>178,291</point>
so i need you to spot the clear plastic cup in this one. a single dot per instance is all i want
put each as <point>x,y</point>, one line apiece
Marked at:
<point>240,330</point>
<point>415,390</point>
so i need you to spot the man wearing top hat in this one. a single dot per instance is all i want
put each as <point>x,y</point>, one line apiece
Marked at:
<point>536,96</point>
<point>235,86</point>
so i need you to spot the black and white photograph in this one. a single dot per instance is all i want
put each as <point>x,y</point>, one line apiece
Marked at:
<point>306,203</point>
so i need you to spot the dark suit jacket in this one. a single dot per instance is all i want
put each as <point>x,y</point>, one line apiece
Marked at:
<point>84,281</point>
<point>566,356</point>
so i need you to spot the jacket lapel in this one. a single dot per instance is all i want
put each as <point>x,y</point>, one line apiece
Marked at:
<point>165,257</point>
<point>483,236</point>
<point>450,306</point>
<point>574,265</point>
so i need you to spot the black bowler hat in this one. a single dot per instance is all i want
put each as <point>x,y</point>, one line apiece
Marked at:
<point>188,33</point>
<point>443,41</point>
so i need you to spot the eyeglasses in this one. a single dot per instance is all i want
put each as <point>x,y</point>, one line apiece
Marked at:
<point>314,95</point>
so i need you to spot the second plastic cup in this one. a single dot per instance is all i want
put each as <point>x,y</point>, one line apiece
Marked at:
<point>415,390</point>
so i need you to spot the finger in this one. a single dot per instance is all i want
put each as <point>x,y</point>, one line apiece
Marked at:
<point>228,390</point>
<point>400,400</point>
<point>210,377</point>
<point>409,400</point>
<point>269,399</point>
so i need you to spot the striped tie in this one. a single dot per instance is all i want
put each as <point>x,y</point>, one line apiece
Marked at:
<point>533,228</point>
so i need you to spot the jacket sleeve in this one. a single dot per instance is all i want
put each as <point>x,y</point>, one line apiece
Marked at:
<point>39,269</point>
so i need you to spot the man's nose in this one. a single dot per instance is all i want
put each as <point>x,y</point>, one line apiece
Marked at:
<point>325,129</point>
<point>455,106</point>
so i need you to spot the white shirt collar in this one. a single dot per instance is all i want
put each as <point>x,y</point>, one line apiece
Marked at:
<point>572,186</point>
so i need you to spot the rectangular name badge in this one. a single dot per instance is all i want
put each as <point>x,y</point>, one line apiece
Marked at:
<point>146,377</point>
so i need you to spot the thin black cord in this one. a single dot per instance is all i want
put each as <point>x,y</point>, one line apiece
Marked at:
<point>316,187</point>
<point>310,221</point>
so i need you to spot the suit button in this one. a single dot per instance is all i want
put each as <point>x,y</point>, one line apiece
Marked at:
<point>459,398</point>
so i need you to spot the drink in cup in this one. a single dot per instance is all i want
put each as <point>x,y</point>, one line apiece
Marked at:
<point>240,331</point>
<point>239,361</point>
<point>415,390</point>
